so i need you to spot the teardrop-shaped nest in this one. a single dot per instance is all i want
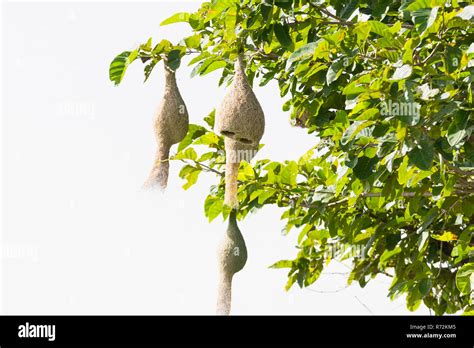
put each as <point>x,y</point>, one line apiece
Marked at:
<point>232,255</point>
<point>240,116</point>
<point>232,252</point>
<point>171,126</point>
<point>171,118</point>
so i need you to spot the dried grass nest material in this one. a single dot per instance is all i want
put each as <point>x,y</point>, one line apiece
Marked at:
<point>240,116</point>
<point>171,126</point>
<point>232,254</point>
<point>232,250</point>
<point>235,153</point>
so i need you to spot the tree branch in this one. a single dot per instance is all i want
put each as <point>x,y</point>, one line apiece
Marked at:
<point>206,167</point>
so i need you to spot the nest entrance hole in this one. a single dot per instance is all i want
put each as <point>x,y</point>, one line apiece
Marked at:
<point>234,136</point>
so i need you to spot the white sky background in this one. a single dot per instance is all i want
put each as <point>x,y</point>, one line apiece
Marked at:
<point>79,235</point>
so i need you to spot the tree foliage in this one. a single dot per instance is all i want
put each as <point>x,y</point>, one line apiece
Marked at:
<point>385,89</point>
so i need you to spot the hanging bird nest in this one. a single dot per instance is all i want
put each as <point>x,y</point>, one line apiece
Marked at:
<point>240,116</point>
<point>170,126</point>
<point>232,254</point>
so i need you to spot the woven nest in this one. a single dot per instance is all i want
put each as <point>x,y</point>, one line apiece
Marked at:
<point>232,254</point>
<point>235,153</point>
<point>171,126</point>
<point>240,116</point>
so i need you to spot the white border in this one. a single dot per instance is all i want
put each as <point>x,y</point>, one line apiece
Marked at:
<point>1,155</point>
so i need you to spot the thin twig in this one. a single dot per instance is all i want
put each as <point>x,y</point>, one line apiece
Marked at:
<point>328,291</point>
<point>209,168</point>
<point>342,21</point>
<point>339,20</point>
<point>363,304</point>
<point>431,54</point>
<point>206,167</point>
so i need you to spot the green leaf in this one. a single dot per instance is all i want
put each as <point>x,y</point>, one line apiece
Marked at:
<point>186,170</point>
<point>465,278</point>
<point>282,33</point>
<point>213,206</point>
<point>193,41</point>
<point>178,17</point>
<point>388,254</point>
<point>199,58</point>
<point>445,237</point>
<point>408,51</point>
<point>266,195</point>
<point>368,114</point>
<point>217,64</point>
<point>353,130</point>
<point>210,119</point>
<point>246,171</point>
<point>402,72</point>
<point>413,300</point>
<point>417,4</point>
<point>352,89</point>
<point>314,274</point>
<point>365,167</point>
<point>255,194</point>
<point>282,264</point>
<point>190,174</point>
<point>346,8</point>
<point>334,71</point>
<point>424,18</point>
<point>208,65</point>
<point>195,21</point>
<point>457,130</point>
<point>147,46</point>
<point>380,29</point>
<point>194,131</point>
<point>425,286</point>
<point>362,31</point>
<point>119,65</point>
<point>189,154</point>
<point>161,47</point>
<point>453,57</point>
<point>303,52</point>
<point>289,173</point>
<point>191,178</point>
<point>217,7</point>
<point>230,23</point>
<point>149,68</point>
<point>285,4</point>
<point>207,156</point>
<point>423,154</point>
<point>207,139</point>
<point>291,281</point>
<point>174,59</point>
